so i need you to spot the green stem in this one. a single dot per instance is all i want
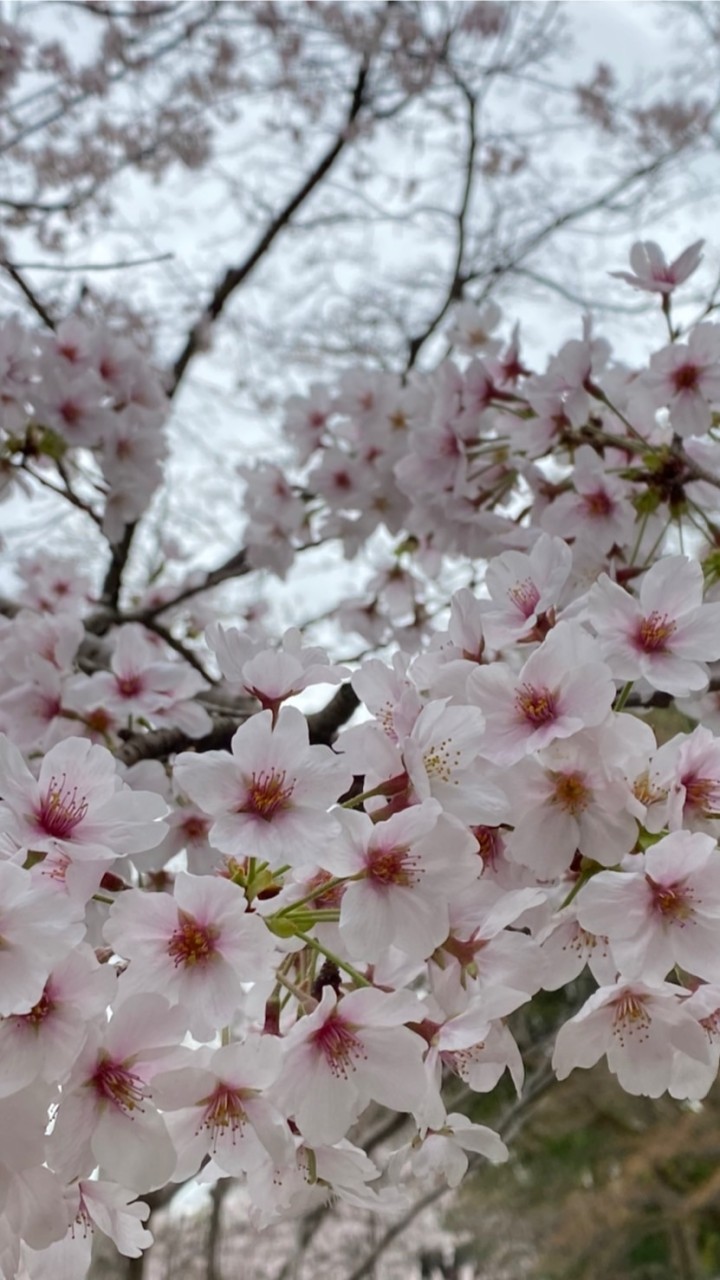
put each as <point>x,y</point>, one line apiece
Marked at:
<point>623,696</point>
<point>638,540</point>
<point>364,795</point>
<point>330,955</point>
<point>599,394</point>
<point>581,880</point>
<point>315,895</point>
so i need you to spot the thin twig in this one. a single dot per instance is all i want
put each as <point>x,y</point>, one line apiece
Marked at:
<point>38,307</point>
<point>234,276</point>
<point>120,265</point>
<point>513,1119</point>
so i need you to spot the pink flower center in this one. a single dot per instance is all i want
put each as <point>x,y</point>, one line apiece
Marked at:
<point>702,794</point>
<point>49,707</point>
<point>671,901</point>
<point>391,866</point>
<point>60,810</point>
<point>711,1023</point>
<point>631,1018</point>
<point>129,686</point>
<point>195,827</point>
<point>192,943</point>
<point>71,413</point>
<point>525,595</point>
<point>571,792</point>
<point>113,1083</point>
<point>267,794</point>
<point>597,504</point>
<point>490,844</point>
<point>537,706</point>
<point>654,632</point>
<point>39,1011</point>
<point>325,897</point>
<point>686,377</point>
<point>223,1111</point>
<point>99,720</point>
<point>338,1044</point>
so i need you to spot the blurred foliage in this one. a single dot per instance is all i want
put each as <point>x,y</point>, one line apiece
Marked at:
<point>600,1186</point>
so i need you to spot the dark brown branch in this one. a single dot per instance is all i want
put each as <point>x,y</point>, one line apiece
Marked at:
<point>66,492</point>
<point>224,289</point>
<point>158,744</point>
<point>236,566</point>
<point>455,288</point>
<point>37,306</point>
<point>113,578</point>
<point>323,725</point>
<point>187,654</point>
<point>234,276</point>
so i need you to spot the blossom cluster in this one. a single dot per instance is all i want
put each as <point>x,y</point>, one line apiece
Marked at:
<point>213,961</point>
<point>81,396</point>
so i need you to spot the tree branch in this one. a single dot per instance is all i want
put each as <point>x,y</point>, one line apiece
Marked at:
<point>234,276</point>
<point>37,306</point>
<point>454,290</point>
<point>514,1118</point>
<point>158,744</point>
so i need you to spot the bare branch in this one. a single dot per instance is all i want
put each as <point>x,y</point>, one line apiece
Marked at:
<point>455,287</point>
<point>234,276</point>
<point>323,725</point>
<point>120,265</point>
<point>514,1118</point>
<point>37,306</point>
<point>173,643</point>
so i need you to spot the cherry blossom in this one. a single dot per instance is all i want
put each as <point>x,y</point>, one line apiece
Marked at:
<point>45,1041</point>
<point>686,380</point>
<point>641,1029</point>
<point>651,271</point>
<point>685,781</point>
<point>109,1207</point>
<point>568,802</point>
<point>78,806</point>
<point>662,912</point>
<point>563,687</point>
<point>667,635</point>
<point>404,873</point>
<point>445,1150</point>
<point>313,1177</point>
<point>200,946</point>
<point>270,797</point>
<point>271,676</point>
<point>37,930</point>
<point>523,589</point>
<point>597,509</point>
<point>106,1116</point>
<point>346,1053</point>
<point>212,962</point>
<point>139,685</point>
<point>214,1107</point>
